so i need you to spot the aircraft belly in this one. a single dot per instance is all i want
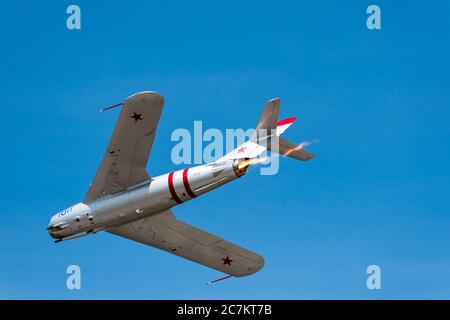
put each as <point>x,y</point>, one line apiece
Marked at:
<point>169,190</point>
<point>159,194</point>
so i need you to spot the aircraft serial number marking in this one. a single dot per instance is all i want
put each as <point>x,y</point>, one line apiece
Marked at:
<point>65,211</point>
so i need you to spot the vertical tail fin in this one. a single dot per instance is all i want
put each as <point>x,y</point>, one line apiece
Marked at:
<point>269,117</point>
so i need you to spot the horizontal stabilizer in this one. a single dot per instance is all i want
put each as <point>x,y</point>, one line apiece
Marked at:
<point>288,149</point>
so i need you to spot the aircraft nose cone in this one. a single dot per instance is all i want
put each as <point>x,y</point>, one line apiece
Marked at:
<point>52,231</point>
<point>55,229</point>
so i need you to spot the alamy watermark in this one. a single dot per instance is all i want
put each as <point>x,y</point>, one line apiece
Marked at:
<point>373,21</point>
<point>374,280</point>
<point>73,21</point>
<point>73,281</point>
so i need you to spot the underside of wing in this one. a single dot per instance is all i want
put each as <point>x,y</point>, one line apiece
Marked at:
<point>165,232</point>
<point>124,162</point>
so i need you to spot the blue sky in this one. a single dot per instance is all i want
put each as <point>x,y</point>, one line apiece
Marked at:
<point>376,193</point>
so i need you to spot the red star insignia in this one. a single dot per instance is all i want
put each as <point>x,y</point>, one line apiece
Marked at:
<point>227,260</point>
<point>241,149</point>
<point>136,116</point>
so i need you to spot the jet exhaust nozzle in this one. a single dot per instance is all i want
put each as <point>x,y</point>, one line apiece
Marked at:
<point>240,166</point>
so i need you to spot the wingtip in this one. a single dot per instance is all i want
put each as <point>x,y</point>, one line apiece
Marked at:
<point>275,101</point>
<point>257,264</point>
<point>151,94</point>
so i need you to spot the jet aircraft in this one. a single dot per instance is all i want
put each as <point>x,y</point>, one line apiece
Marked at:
<point>125,200</point>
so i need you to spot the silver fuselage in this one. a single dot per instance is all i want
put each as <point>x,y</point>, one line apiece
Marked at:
<point>145,199</point>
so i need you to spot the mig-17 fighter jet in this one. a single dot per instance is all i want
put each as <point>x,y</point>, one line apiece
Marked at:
<point>124,200</point>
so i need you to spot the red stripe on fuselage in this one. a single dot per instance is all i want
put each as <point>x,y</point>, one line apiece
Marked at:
<point>172,189</point>
<point>186,184</point>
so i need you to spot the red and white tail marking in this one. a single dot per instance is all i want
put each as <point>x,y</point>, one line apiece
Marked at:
<point>284,124</point>
<point>251,149</point>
